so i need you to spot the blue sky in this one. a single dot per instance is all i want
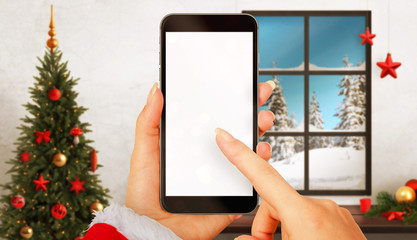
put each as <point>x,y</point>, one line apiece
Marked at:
<point>281,39</point>
<point>333,37</point>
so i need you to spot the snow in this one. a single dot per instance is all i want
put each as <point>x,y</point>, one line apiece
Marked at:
<point>330,168</point>
<point>300,128</point>
<point>313,67</point>
<point>300,67</point>
<point>361,67</point>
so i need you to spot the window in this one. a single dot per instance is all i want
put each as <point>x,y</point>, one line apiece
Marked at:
<point>321,138</point>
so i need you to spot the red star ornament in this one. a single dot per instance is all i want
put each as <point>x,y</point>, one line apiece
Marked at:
<point>367,37</point>
<point>388,67</point>
<point>391,215</point>
<point>77,185</point>
<point>40,183</point>
<point>25,157</point>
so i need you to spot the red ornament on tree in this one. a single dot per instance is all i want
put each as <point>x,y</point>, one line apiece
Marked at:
<point>46,136</point>
<point>412,184</point>
<point>94,160</point>
<point>54,94</point>
<point>18,201</point>
<point>25,157</point>
<point>79,238</point>
<point>76,132</point>
<point>40,183</point>
<point>367,37</point>
<point>58,211</point>
<point>388,67</point>
<point>77,185</point>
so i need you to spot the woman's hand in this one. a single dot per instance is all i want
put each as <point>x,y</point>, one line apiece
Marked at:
<point>143,188</point>
<point>301,217</point>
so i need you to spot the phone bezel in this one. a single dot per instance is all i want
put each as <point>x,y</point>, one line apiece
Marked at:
<point>207,23</point>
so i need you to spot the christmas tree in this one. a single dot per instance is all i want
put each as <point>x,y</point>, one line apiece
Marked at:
<point>54,189</point>
<point>352,110</point>
<point>282,147</point>
<point>316,122</point>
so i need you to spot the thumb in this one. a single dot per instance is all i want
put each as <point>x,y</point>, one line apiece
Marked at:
<point>270,185</point>
<point>147,124</point>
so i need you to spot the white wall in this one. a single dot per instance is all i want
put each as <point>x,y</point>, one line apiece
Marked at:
<point>113,47</point>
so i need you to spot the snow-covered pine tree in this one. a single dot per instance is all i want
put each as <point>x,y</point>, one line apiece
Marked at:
<point>352,109</point>
<point>316,123</point>
<point>282,147</point>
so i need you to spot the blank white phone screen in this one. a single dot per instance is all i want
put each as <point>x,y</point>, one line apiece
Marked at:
<point>209,84</point>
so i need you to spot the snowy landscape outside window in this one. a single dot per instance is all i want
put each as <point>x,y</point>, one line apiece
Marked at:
<point>321,138</point>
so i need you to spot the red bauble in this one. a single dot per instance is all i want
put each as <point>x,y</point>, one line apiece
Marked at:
<point>388,67</point>
<point>58,211</point>
<point>367,37</point>
<point>18,201</point>
<point>79,238</point>
<point>412,184</point>
<point>54,94</point>
<point>94,160</point>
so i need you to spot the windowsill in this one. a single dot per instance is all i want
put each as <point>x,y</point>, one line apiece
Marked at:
<point>368,225</point>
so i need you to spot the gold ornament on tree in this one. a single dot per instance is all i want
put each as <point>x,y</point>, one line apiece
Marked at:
<point>405,195</point>
<point>26,232</point>
<point>52,42</point>
<point>59,160</point>
<point>96,207</point>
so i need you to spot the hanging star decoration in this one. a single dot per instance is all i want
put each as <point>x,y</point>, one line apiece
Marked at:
<point>40,183</point>
<point>388,67</point>
<point>391,215</point>
<point>77,185</point>
<point>367,37</point>
<point>25,157</point>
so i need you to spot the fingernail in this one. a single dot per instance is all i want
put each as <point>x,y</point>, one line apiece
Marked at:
<point>238,216</point>
<point>224,135</point>
<point>151,93</point>
<point>273,115</point>
<point>272,84</point>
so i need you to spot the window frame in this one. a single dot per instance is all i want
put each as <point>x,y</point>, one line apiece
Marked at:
<point>306,73</point>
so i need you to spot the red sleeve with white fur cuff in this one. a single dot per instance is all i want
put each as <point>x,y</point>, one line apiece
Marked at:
<point>123,223</point>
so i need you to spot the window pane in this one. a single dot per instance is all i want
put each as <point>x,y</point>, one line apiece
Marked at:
<point>288,158</point>
<point>286,102</point>
<point>337,102</point>
<point>335,43</point>
<point>281,42</point>
<point>337,163</point>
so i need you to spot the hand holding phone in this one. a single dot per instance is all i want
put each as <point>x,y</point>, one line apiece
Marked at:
<point>143,187</point>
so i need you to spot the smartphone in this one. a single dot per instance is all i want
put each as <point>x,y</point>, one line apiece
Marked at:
<point>209,79</point>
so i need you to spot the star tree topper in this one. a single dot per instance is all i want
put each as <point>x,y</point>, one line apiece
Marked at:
<point>77,185</point>
<point>40,183</point>
<point>388,67</point>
